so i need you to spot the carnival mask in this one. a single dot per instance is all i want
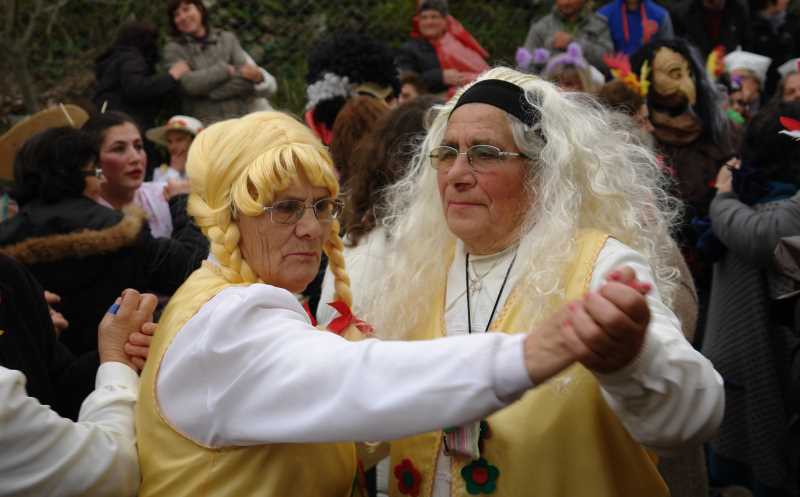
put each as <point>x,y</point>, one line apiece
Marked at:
<point>672,76</point>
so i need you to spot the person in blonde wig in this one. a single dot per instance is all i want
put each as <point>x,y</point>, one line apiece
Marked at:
<point>242,396</point>
<point>520,199</point>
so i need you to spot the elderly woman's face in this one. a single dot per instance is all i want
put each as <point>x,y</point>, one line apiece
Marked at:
<point>122,157</point>
<point>432,24</point>
<point>484,209</point>
<point>286,255</point>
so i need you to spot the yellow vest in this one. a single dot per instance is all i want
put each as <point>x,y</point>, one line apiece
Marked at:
<point>172,465</point>
<point>560,439</point>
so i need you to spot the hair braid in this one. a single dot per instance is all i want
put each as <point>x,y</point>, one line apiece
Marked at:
<point>334,248</point>
<point>223,236</point>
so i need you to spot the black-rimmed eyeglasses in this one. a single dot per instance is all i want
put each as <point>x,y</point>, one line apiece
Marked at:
<point>479,157</point>
<point>291,211</point>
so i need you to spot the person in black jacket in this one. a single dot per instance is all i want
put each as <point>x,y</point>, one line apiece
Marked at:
<point>54,376</point>
<point>708,23</point>
<point>776,34</point>
<point>81,250</point>
<point>127,80</point>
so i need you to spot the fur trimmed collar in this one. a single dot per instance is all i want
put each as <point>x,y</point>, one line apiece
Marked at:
<point>80,244</point>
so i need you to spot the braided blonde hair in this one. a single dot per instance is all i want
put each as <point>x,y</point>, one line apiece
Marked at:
<point>236,167</point>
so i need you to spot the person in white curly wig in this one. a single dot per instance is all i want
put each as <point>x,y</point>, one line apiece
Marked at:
<point>522,198</point>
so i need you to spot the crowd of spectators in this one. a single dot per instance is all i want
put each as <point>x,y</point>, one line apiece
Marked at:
<point>102,210</point>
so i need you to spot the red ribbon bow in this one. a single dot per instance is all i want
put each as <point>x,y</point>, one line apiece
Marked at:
<point>345,319</point>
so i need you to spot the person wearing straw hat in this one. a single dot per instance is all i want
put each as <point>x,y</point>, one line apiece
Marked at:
<point>176,136</point>
<point>750,69</point>
<point>52,117</point>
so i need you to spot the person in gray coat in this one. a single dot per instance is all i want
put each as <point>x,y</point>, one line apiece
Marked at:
<point>748,332</point>
<point>572,20</point>
<point>223,78</point>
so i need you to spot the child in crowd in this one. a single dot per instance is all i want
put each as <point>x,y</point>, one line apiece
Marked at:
<point>176,135</point>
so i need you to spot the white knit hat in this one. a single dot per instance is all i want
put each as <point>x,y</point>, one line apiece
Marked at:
<point>739,59</point>
<point>789,66</point>
<point>187,124</point>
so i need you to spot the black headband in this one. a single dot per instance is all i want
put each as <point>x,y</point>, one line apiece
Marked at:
<point>503,95</point>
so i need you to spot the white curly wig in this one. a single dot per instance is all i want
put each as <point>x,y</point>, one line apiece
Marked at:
<point>589,171</point>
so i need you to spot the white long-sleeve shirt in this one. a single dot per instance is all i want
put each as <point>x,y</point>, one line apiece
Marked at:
<point>669,396</point>
<point>43,454</point>
<point>249,368</point>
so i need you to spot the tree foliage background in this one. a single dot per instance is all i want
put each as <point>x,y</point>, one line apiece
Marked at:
<point>55,63</point>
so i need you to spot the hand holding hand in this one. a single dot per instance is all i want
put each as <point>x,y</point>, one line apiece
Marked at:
<point>604,332</point>
<point>138,344</point>
<point>178,69</point>
<point>133,310</point>
<point>561,40</point>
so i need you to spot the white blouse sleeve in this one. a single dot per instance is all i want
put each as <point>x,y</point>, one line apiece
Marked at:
<point>670,395</point>
<point>44,454</point>
<point>249,369</point>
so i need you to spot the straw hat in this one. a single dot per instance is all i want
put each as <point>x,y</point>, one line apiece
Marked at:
<point>187,124</point>
<point>53,117</point>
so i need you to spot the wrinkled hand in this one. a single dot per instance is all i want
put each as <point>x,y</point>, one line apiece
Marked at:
<point>176,187</point>
<point>178,69</point>
<point>60,323</point>
<point>604,332</point>
<point>561,40</point>
<point>134,311</point>
<point>724,182</point>
<point>251,72</point>
<point>138,344</point>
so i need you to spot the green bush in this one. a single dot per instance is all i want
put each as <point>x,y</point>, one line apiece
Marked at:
<point>277,33</point>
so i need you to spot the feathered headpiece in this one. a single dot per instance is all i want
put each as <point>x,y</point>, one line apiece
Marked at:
<point>792,127</point>
<point>620,67</point>
<point>715,63</point>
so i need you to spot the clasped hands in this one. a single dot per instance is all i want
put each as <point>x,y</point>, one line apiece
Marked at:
<point>604,331</point>
<point>125,336</point>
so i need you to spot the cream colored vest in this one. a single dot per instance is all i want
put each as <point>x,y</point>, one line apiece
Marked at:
<point>559,440</point>
<point>172,465</point>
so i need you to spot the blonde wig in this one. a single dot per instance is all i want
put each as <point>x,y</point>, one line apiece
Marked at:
<point>587,171</point>
<point>236,167</point>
